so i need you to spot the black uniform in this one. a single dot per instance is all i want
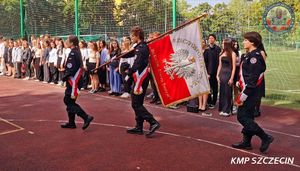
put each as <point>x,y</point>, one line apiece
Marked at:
<point>73,77</point>
<point>251,75</point>
<point>139,67</point>
<point>211,55</point>
<point>27,59</point>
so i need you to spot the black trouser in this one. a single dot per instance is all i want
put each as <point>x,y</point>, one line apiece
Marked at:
<point>127,84</point>
<point>86,79</point>
<point>37,67</point>
<point>245,116</point>
<point>18,69</point>
<point>153,86</point>
<point>73,108</point>
<point>28,68</point>
<point>212,98</point>
<point>137,101</point>
<point>53,73</point>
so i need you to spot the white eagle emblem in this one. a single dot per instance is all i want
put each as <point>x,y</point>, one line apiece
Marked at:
<point>180,64</point>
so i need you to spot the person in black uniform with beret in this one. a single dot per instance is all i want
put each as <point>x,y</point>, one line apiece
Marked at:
<point>73,78</point>
<point>250,81</point>
<point>140,73</point>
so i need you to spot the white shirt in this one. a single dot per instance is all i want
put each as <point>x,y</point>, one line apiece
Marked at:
<point>2,48</point>
<point>53,56</point>
<point>84,55</point>
<point>66,52</point>
<point>16,54</point>
<point>93,56</point>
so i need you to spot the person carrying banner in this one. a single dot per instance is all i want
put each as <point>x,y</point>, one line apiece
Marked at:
<point>250,81</point>
<point>72,76</point>
<point>140,74</point>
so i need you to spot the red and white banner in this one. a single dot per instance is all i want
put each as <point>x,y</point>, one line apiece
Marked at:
<point>177,65</point>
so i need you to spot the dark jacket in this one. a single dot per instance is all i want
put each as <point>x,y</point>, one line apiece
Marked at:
<point>73,73</point>
<point>251,76</point>
<point>141,51</point>
<point>211,57</point>
<point>26,56</point>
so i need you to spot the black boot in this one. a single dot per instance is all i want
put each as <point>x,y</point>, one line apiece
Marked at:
<point>68,125</point>
<point>87,122</point>
<point>71,124</point>
<point>138,129</point>
<point>266,140</point>
<point>244,144</point>
<point>154,100</point>
<point>154,125</point>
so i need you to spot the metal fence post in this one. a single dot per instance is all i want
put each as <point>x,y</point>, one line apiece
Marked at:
<point>174,13</point>
<point>22,27</point>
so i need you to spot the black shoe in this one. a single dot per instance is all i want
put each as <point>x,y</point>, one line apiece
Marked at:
<point>136,130</point>
<point>257,114</point>
<point>117,94</point>
<point>87,122</point>
<point>244,144</point>
<point>68,125</point>
<point>211,106</point>
<point>158,102</point>
<point>154,100</point>
<point>153,127</point>
<point>266,143</point>
<point>102,89</point>
<point>111,94</point>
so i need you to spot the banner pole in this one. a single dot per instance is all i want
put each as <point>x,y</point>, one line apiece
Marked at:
<point>159,37</point>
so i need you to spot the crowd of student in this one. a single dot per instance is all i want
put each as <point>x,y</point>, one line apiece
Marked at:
<point>43,58</point>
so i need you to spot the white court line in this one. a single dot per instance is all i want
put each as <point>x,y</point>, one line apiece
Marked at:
<point>200,116</point>
<point>19,128</point>
<point>160,132</point>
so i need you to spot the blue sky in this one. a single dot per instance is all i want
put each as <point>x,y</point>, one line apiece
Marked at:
<point>211,2</point>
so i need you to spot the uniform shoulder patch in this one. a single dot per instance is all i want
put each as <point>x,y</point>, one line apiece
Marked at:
<point>69,65</point>
<point>253,60</point>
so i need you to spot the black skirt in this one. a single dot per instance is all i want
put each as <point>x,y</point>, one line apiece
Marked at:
<point>90,67</point>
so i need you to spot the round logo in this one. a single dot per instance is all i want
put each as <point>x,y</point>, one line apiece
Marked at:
<point>279,18</point>
<point>69,65</point>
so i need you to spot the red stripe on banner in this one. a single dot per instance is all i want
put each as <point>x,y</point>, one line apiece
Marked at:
<point>170,90</point>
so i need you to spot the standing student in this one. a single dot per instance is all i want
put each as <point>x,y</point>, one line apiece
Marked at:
<point>2,62</point>
<point>102,72</point>
<point>45,60</point>
<point>72,77</point>
<point>5,57</point>
<point>60,59</point>
<point>27,59</point>
<point>114,76</point>
<point>203,97</point>
<point>38,62</point>
<point>85,58</point>
<point>263,52</point>
<point>10,64</point>
<point>251,72</point>
<point>212,56</point>
<point>17,58</point>
<point>236,49</point>
<point>140,71</point>
<point>93,64</point>
<point>225,77</point>
<point>126,63</point>
<point>53,79</point>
